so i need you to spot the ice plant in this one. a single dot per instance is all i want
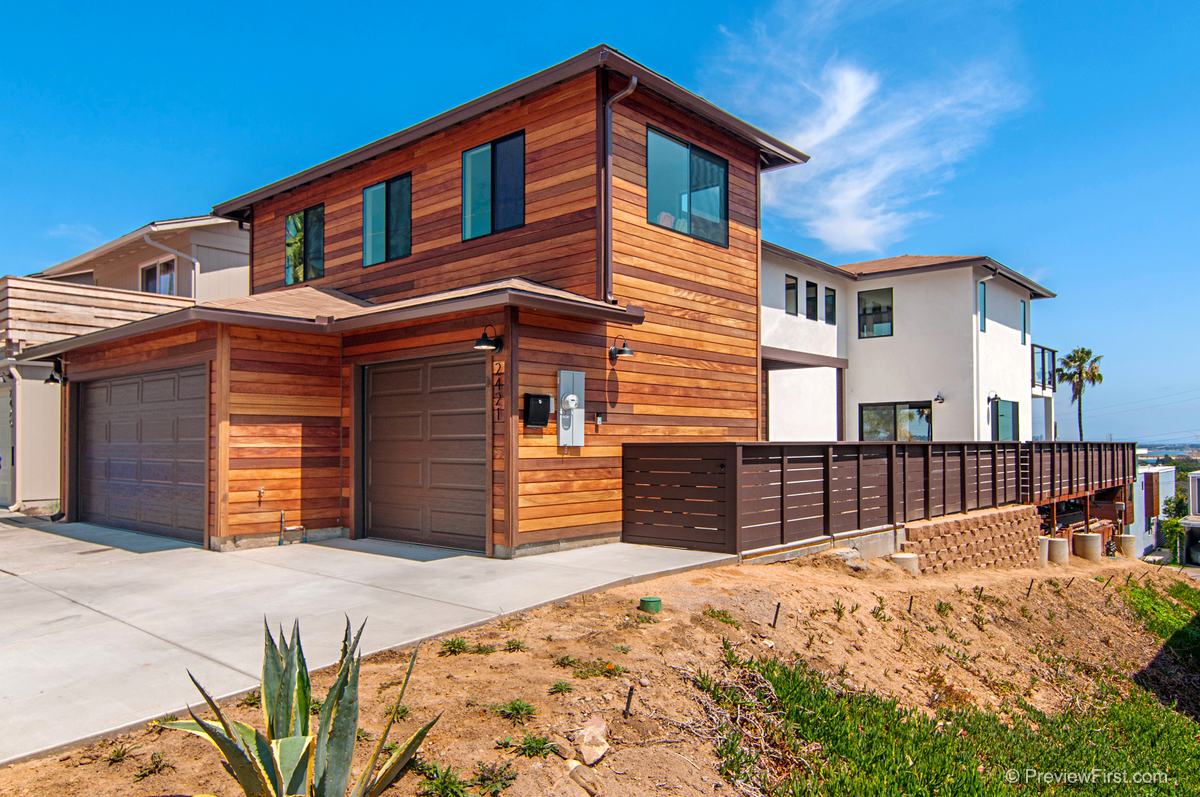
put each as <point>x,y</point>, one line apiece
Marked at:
<point>288,759</point>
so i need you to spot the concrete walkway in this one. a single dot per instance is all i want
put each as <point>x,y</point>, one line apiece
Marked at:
<point>98,627</point>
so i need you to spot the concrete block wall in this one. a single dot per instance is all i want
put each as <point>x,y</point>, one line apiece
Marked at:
<point>1002,537</point>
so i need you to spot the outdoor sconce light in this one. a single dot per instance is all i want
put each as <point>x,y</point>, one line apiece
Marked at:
<point>623,350</point>
<point>993,396</point>
<point>56,377</point>
<point>939,398</point>
<point>492,344</point>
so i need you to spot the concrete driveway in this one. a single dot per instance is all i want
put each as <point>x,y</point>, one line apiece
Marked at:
<point>99,627</point>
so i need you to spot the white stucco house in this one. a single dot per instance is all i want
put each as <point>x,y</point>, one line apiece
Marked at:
<point>908,348</point>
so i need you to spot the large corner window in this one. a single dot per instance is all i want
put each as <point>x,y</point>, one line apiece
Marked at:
<point>875,313</point>
<point>304,245</point>
<point>387,221</point>
<point>1005,420</point>
<point>983,307</point>
<point>493,187</point>
<point>791,295</point>
<point>908,422</point>
<point>810,301</point>
<point>831,306</point>
<point>687,189</point>
<point>159,278</point>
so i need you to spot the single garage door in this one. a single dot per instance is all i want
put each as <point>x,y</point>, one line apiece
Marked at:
<point>141,452</point>
<point>425,446</point>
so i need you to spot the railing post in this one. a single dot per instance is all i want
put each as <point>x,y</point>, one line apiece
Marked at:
<point>996,475</point>
<point>858,487</point>
<point>783,494</point>
<point>829,491</point>
<point>891,477</point>
<point>929,481</point>
<point>962,477</point>
<point>733,499</point>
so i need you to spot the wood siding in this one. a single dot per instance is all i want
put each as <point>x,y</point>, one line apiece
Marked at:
<point>556,246</point>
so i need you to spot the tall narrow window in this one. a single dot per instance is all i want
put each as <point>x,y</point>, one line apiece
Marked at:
<point>159,278</point>
<point>493,186</point>
<point>387,221</point>
<point>983,307</point>
<point>304,245</point>
<point>1024,322</point>
<point>791,295</point>
<point>875,313</point>
<point>810,301</point>
<point>687,189</point>
<point>831,306</point>
<point>1005,420</point>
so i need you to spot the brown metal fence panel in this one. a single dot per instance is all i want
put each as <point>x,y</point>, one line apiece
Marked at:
<point>679,496</point>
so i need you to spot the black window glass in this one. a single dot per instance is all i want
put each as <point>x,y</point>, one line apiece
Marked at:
<point>508,184</point>
<point>686,189</point>
<point>830,306</point>
<point>791,295</point>
<point>906,422</point>
<point>810,301</point>
<point>387,221</point>
<point>875,313</point>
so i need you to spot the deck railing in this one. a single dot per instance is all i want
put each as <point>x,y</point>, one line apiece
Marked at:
<point>737,497</point>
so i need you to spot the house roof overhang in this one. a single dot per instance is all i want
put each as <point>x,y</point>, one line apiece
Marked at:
<point>309,316</point>
<point>774,359</point>
<point>132,240</point>
<point>774,153</point>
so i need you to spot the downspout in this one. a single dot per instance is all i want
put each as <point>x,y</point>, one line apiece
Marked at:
<point>608,186</point>
<point>177,253</point>
<point>15,376</point>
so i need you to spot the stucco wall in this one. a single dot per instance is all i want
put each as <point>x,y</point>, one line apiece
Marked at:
<point>1003,361</point>
<point>803,405</point>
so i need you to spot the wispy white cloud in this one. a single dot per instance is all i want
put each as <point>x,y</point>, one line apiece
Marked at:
<point>82,233</point>
<point>885,117</point>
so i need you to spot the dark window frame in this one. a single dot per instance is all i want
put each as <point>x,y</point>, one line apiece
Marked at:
<point>1024,322</point>
<point>724,244</point>
<point>305,227</point>
<point>891,313</point>
<point>895,405</point>
<point>387,194</point>
<point>791,294</point>
<point>830,305</point>
<point>492,198</point>
<point>812,307</point>
<point>982,302</point>
<point>994,411</point>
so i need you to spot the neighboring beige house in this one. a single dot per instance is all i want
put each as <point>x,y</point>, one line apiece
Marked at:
<point>149,271</point>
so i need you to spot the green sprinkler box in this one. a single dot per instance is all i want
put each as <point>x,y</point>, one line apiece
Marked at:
<point>651,605</point>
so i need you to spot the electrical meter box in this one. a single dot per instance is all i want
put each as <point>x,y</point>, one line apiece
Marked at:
<point>570,408</point>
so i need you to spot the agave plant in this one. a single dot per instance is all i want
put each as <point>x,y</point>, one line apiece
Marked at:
<point>288,760</point>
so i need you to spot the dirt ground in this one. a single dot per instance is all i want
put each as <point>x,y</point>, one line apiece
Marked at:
<point>970,637</point>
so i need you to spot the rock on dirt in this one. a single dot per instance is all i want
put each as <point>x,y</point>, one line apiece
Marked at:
<point>591,740</point>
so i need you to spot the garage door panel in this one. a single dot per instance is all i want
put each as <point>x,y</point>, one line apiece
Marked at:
<point>426,451</point>
<point>143,452</point>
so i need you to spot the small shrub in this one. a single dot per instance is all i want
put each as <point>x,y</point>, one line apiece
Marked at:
<point>562,688</point>
<point>442,782</point>
<point>645,619</point>
<point>397,710</point>
<point>517,711</point>
<point>363,735</point>
<point>533,746</point>
<point>839,609</point>
<point>252,699</point>
<point>491,779</point>
<point>621,648</point>
<point>483,650</point>
<point>453,646</point>
<point>119,752</point>
<point>721,615</point>
<point>156,766</point>
<point>943,608</point>
<point>514,646</point>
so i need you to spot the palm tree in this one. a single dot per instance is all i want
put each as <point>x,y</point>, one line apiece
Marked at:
<point>1080,369</point>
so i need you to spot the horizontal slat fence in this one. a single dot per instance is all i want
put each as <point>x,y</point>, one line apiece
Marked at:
<point>737,497</point>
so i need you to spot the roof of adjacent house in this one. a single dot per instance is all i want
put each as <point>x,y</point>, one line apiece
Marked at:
<point>326,310</point>
<point>119,247</point>
<point>910,264</point>
<point>775,153</point>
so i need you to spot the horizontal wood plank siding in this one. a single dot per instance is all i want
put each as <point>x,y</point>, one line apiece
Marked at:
<point>556,246</point>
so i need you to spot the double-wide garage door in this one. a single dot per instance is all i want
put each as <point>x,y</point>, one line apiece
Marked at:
<point>425,446</point>
<point>141,452</point>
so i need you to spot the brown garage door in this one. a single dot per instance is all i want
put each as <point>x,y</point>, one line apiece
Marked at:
<point>141,452</point>
<point>425,442</point>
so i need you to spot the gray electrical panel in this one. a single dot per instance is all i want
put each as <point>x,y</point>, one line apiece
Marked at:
<point>570,408</point>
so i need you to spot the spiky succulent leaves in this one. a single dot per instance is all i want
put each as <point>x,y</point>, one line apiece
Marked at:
<point>302,692</point>
<point>395,765</point>
<point>366,781</point>
<point>333,706</point>
<point>285,690</point>
<point>242,764</point>
<point>260,748</point>
<point>293,756</point>
<point>342,733</point>
<point>272,677</point>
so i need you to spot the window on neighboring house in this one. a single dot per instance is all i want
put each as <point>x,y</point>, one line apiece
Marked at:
<point>791,295</point>
<point>159,278</point>
<point>304,245</point>
<point>387,221</point>
<point>912,421</point>
<point>810,301</point>
<point>1024,322</point>
<point>830,306</point>
<point>983,307</point>
<point>1005,421</point>
<point>875,313</point>
<point>686,189</point>
<point>493,187</point>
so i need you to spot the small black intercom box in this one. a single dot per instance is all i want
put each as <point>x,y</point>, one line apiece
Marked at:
<point>537,410</point>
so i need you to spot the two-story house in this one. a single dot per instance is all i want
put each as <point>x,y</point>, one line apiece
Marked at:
<point>905,348</point>
<point>450,332</point>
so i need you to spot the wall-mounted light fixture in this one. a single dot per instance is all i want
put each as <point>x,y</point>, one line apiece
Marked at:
<point>56,376</point>
<point>493,344</point>
<point>939,398</point>
<point>993,396</point>
<point>623,350</point>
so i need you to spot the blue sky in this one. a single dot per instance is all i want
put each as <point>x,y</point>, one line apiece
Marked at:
<point>1059,138</point>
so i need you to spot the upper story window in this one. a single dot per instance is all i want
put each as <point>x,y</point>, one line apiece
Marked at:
<point>493,186</point>
<point>875,313</point>
<point>831,306</point>
<point>791,295</point>
<point>903,422</point>
<point>387,221</point>
<point>304,245</point>
<point>159,278</point>
<point>983,307</point>
<point>810,301</point>
<point>1024,322</point>
<point>687,188</point>
<point>1005,420</point>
